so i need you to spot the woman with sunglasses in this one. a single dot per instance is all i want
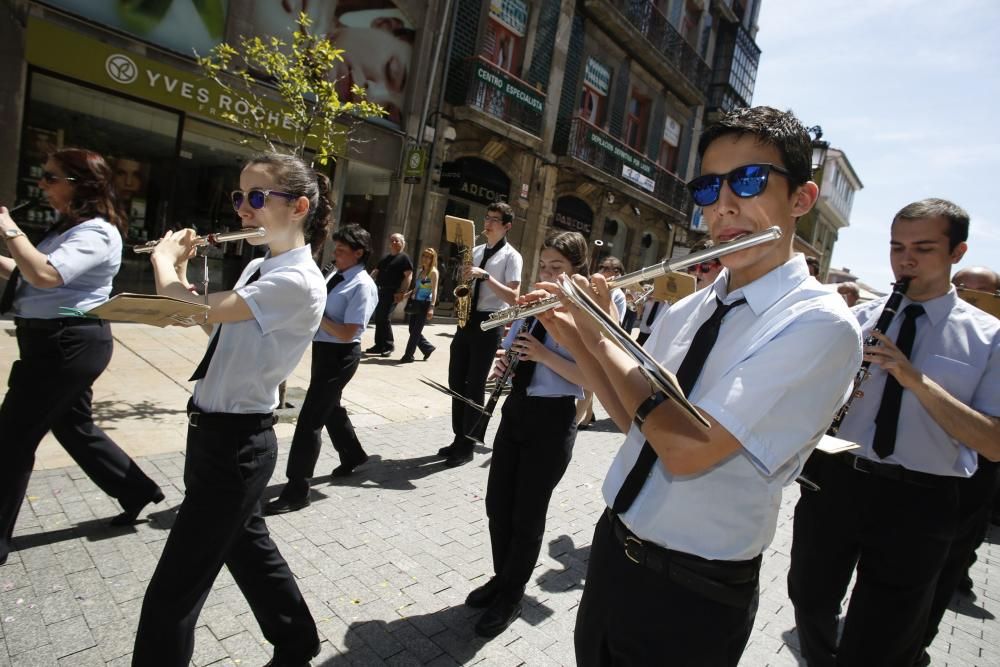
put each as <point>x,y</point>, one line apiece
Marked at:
<point>422,299</point>
<point>532,448</point>
<point>262,327</point>
<point>49,388</point>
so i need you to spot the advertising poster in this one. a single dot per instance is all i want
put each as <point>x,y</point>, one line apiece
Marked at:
<point>375,35</point>
<point>184,26</point>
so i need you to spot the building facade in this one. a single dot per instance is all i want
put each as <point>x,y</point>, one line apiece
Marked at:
<point>582,114</point>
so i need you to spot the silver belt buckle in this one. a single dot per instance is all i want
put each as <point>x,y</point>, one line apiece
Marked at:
<point>633,541</point>
<point>193,418</point>
<point>858,465</point>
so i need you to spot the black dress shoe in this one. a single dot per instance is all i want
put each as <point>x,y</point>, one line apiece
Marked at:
<point>347,469</point>
<point>131,511</point>
<point>284,505</point>
<point>374,349</point>
<point>406,359</point>
<point>386,353</point>
<point>446,450</point>
<point>281,659</point>
<point>427,355</point>
<point>458,458</point>
<point>498,617</point>
<point>484,595</point>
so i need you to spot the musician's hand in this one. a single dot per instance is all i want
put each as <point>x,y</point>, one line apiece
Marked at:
<point>540,292</point>
<point>475,273</point>
<point>890,358</point>
<point>529,348</point>
<point>499,368</point>
<point>175,247</point>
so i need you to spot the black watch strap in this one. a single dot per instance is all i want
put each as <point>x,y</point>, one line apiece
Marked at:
<point>647,406</point>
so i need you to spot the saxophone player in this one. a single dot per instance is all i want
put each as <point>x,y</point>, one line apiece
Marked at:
<point>891,510</point>
<point>495,273</point>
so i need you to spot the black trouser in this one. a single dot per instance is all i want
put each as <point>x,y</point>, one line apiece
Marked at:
<point>533,446</point>
<point>472,351</point>
<point>382,315</point>
<point>975,504</point>
<point>631,614</point>
<point>228,464</point>
<point>896,532</point>
<point>641,338</point>
<point>50,389</point>
<point>417,339</point>
<point>333,366</point>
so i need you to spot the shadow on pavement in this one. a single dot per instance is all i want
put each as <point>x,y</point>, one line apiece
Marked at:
<point>92,530</point>
<point>396,474</point>
<point>574,561</point>
<point>425,638</point>
<point>113,411</point>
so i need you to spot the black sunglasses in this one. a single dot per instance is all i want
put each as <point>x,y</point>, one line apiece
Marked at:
<point>704,267</point>
<point>49,177</point>
<point>747,181</point>
<point>257,198</point>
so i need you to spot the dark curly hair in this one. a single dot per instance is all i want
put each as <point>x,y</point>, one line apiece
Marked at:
<point>770,127</point>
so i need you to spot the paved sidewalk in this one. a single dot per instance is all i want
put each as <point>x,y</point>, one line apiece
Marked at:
<point>385,558</point>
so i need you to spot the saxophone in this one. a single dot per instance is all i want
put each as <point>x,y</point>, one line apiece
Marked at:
<point>463,291</point>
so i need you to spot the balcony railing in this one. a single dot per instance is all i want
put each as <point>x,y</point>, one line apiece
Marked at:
<point>592,145</point>
<point>669,43</point>
<point>723,97</point>
<point>499,93</point>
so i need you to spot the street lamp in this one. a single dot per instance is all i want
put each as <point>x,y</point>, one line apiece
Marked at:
<point>819,147</point>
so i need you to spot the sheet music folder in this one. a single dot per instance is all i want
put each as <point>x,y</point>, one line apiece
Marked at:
<point>152,309</point>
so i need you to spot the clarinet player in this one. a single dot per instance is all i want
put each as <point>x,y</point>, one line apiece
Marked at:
<point>890,508</point>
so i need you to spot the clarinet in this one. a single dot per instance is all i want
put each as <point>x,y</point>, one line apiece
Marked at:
<point>512,359</point>
<point>884,320</point>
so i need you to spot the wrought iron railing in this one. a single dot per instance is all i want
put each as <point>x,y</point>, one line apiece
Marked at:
<point>669,43</point>
<point>592,145</point>
<point>499,93</point>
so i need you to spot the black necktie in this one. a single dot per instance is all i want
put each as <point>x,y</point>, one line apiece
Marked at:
<point>887,419</point>
<point>526,369</point>
<point>652,313</point>
<point>202,369</point>
<point>487,253</point>
<point>333,282</point>
<point>687,375</point>
<point>7,300</point>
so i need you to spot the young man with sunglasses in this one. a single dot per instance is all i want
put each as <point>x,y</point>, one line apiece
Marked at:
<point>891,509</point>
<point>674,565</point>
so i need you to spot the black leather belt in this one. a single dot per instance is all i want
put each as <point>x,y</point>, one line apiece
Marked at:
<point>230,421</point>
<point>728,582</point>
<point>894,472</point>
<point>55,323</point>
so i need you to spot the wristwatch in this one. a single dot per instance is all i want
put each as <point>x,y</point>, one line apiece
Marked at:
<point>12,233</point>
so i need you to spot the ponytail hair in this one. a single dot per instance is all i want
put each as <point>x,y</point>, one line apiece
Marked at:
<point>298,178</point>
<point>93,188</point>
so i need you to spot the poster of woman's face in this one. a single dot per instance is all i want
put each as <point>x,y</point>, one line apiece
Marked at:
<point>377,39</point>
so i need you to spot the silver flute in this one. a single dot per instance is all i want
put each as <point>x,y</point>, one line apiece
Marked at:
<point>508,315</point>
<point>209,239</point>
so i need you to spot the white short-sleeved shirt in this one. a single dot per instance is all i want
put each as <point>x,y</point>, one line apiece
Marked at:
<point>254,356</point>
<point>351,302</point>
<point>958,346</point>
<point>782,365</point>
<point>505,266</point>
<point>545,382</point>
<point>87,257</point>
<point>645,325</point>
<point>618,298</point>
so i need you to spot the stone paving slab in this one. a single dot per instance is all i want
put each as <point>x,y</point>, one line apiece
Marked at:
<point>384,558</point>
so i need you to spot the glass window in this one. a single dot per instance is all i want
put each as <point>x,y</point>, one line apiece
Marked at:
<point>138,141</point>
<point>366,199</point>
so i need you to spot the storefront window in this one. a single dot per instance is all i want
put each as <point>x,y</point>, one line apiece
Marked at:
<point>366,200</point>
<point>138,140</point>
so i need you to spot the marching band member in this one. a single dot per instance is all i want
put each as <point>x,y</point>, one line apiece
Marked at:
<point>891,509</point>
<point>675,560</point>
<point>262,328</point>
<point>611,267</point>
<point>496,275</point>
<point>336,353</point>
<point>532,449</point>
<point>49,388</point>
